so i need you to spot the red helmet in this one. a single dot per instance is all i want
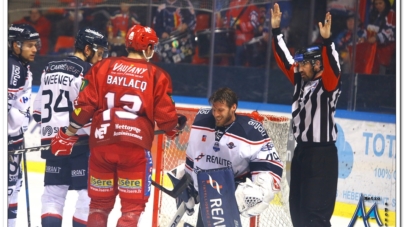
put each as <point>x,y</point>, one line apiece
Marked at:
<point>139,37</point>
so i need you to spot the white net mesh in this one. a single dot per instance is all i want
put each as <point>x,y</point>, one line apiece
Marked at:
<point>277,213</point>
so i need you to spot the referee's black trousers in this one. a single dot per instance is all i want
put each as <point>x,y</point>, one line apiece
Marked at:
<point>313,185</point>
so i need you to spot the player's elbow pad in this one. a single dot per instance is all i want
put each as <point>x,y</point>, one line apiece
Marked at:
<point>37,117</point>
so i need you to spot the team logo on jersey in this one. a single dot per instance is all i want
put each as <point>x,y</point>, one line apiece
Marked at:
<point>216,147</point>
<point>77,111</point>
<point>84,84</point>
<point>199,157</point>
<point>267,147</point>
<point>24,99</point>
<point>204,138</point>
<point>231,145</point>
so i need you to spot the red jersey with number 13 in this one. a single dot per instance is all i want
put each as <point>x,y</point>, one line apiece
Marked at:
<point>124,97</point>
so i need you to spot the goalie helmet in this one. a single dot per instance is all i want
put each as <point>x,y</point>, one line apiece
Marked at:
<point>92,37</point>
<point>21,33</point>
<point>139,38</point>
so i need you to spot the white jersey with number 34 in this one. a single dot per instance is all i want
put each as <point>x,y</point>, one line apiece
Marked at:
<point>60,85</point>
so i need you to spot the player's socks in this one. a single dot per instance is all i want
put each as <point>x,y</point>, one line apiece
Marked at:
<point>79,223</point>
<point>97,218</point>
<point>128,219</point>
<point>51,220</point>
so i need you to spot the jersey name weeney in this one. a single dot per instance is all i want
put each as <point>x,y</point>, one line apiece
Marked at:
<point>60,85</point>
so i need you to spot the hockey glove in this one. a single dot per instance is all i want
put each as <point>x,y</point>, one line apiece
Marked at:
<point>182,121</point>
<point>254,197</point>
<point>62,144</point>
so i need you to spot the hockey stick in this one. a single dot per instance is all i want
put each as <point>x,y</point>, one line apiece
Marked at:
<point>178,215</point>
<point>24,158</point>
<point>47,147</point>
<point>178,188</point>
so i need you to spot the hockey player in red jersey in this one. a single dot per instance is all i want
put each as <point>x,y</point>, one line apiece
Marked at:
<point>124,96</point>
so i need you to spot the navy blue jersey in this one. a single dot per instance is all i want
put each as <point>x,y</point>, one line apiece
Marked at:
<point>19,95</point>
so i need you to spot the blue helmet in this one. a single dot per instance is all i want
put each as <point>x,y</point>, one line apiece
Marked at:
<point>92,37</point>
<point>21,33</point>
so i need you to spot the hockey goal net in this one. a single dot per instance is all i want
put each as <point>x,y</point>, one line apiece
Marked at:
<point>172,154</point>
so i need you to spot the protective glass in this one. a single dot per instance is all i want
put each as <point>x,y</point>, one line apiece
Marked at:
<point>157,47</point>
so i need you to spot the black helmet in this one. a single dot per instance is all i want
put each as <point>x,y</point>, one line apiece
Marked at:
<point>92,37</point>
<point>21,33</point>
<point>308,54</point>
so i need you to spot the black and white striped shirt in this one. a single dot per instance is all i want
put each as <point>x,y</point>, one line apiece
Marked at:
<point>315,101</point>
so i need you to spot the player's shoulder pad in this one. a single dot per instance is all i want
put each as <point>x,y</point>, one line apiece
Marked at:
<point>204,118</point>
<point>249,128</point>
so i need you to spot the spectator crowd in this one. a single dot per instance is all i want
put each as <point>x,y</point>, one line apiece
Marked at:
<point>241,32</point>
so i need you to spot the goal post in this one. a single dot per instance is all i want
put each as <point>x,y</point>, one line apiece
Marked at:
<point>171,153</point>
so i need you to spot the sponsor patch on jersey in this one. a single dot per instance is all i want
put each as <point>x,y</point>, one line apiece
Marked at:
<point>199,157</point>
<point>231,145</point>
<point>78,172</point>
<point>15,75</point>
<point>204,138</point>
<point>77,111</point>
<point>84,84</point>
<point>47,131</point>
<point>101,183</point>
<point>130,183</point>
<point>203,111</point>
<point>258,126</point>
<point>52,169</point>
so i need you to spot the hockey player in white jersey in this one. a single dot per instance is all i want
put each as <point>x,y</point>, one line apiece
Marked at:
<point>221,138</point>
<point>60,84</point>
<point>23,44</point>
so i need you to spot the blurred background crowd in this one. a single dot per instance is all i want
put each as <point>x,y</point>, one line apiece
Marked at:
<point>205,44</point>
